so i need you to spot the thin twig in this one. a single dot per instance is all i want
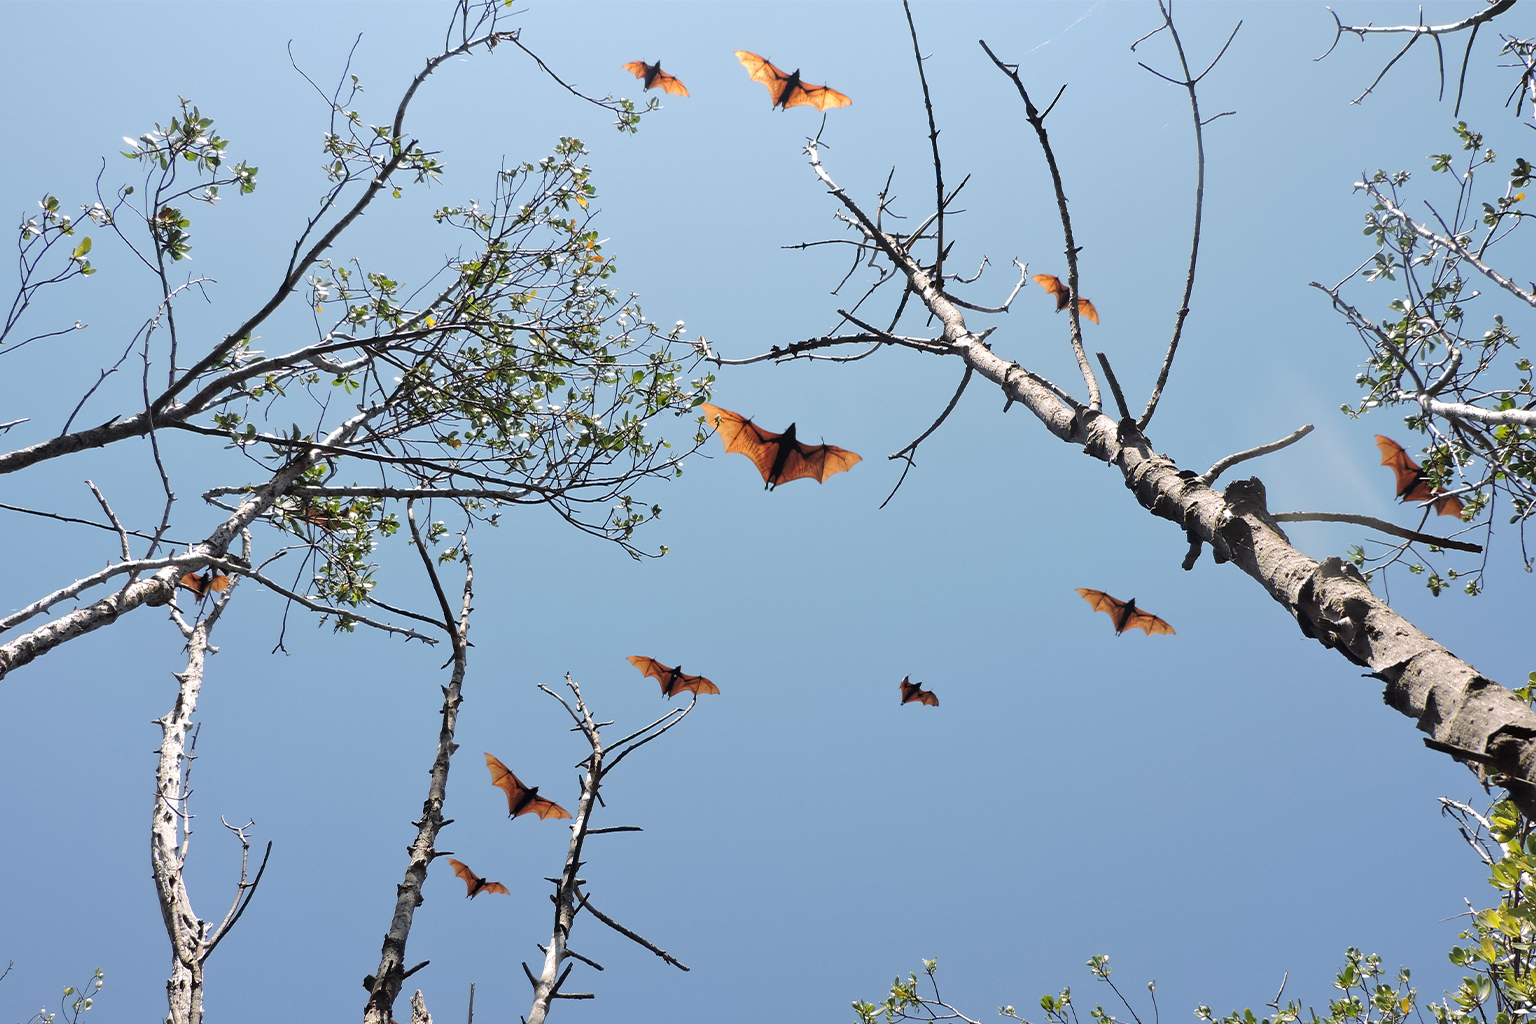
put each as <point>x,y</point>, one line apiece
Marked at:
<point>1190,81</point>
<point>933,139</point>
<point>911,449</point>
<point>1095,401</point>
<point>611,923</point>
<point>1373,523</point>
<point>1209,476</point>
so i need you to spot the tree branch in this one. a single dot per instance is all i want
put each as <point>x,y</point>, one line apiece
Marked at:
<point>1380,525</point>
<point>1037,122</point>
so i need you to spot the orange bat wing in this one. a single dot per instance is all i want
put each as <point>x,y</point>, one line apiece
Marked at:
<point>1148,623</point>
<point>503,779</point>
<point>1412,486</point>
<point>1410,479</point>
<point>464,871</point>
<point>200,585</point>
<point>546,808</point>
<point>1087,311</point>
<point>817,462</point>
<point>669,83</point>
<point>1053,286</point>
<point>494,887</point>
<point>655,78</point>
<point>819,96</point>
<point>672,679</point>
<point>1450,505</point>
<point>693,684</point>
<point>763,71</point>
<point>911,692</point>
<point>742,436</point>
<point>1102,602</point>
<point>650,667</point>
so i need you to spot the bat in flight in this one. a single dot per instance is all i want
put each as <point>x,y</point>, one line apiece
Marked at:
<point>1052,284</point>
<point>911,692</point>
<point>787,90</point>
<point>1412,485</point>
<point>474,882</point>
<point>521,799</point>
<point>1125,613</point>
<point>673,680</point>
<point>654,77</point>
<point>201,585</point>
<point>779,457</point>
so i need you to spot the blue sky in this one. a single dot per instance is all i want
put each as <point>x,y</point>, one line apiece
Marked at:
<point>1211,809</point>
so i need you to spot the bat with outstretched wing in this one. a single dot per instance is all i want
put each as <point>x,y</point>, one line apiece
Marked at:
<point>656,78</point>
<point>673,680</point>
<point>202,585</point>
<point>521,799</point>
<point>914,692</point>
<point>779,457</point>
<point>1125,613</point>
<point>474,882</point>
<point>1412,485</point>
<point>1052,284</point>
<point>787,90</point>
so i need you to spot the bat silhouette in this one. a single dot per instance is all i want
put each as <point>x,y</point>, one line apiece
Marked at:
<point>1412,485</point>
<point>787,90</point>
<point>672,680</point>
<point>521,799</point>
<point>474,882</point>
<point>201,585</point>
<point>779,457</point>
<point>1052,284</point>
<point>1125,613</point>
<point>911,691</point>
<point>655,77</point>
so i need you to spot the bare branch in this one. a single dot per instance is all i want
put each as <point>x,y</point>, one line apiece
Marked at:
<point>586,905</point>
<point>911,449</point>
<point>1209,476</point>
<point>1023,277</point>
<point>1037,122</point>
<point>1189,82</point>
<point>933,139</point>
<point>1373,523</point>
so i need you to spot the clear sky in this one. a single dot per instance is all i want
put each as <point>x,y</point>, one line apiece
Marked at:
<point>1212,809</point>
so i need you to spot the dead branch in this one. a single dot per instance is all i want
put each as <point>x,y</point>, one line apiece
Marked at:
<point>1189,82</point>
<point>1371,522</point>
<point>568,898</point>
<point>1209,476</point>
<point>1417,32</point>
<point>1037,122</point>
<point>391,973</point>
